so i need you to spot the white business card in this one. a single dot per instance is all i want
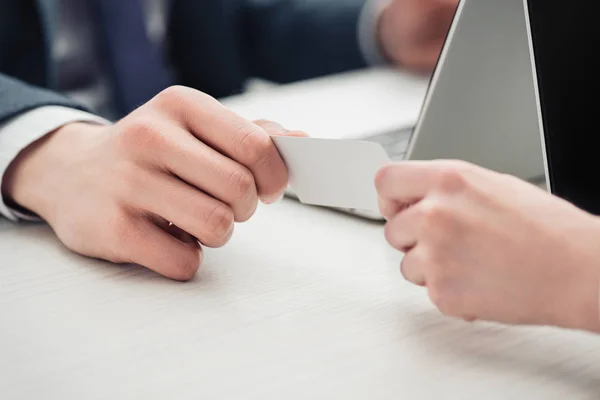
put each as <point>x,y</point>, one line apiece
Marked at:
<point>333,172</point>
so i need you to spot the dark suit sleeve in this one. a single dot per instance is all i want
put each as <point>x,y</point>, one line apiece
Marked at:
<point>288,40</point>
<point>17,97</point>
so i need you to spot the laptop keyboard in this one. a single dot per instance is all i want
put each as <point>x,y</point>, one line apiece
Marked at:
<point>395,143</point>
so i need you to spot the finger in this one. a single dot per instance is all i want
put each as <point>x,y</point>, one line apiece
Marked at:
<point>211,172</point>
<point>150,246</point>
<point>389,208</point>
<point>402,230</point>
<point>406,182</point>
<point>230,134</point>
<point>412,268</point>
<point>274,129</point>
<point>203,217</point>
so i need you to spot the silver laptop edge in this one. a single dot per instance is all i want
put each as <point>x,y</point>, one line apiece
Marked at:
<point>536,88</point>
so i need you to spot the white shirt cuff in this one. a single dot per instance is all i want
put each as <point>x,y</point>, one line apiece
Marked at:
<point>21,131</point>
<point>368,37</point>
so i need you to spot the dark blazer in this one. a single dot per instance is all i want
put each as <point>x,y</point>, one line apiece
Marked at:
<point>216,45</point>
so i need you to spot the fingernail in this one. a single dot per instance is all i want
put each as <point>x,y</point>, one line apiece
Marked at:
<point>271,127</point>
<point>274,199</point>
<point>276,127</point>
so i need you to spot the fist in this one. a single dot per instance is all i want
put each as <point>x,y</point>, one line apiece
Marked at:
<point>490,246</point>
<point>412,32</point>
<point>152,189</point>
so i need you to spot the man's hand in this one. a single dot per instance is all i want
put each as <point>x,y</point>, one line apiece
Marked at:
<point>492,247</point>
<point>174,174</point>
<point>412,32</point>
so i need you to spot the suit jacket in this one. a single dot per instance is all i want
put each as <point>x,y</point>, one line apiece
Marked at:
<point>216,45</point>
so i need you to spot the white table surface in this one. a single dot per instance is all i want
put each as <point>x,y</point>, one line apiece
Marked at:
<point>304,303</point>
<point>349,105</point>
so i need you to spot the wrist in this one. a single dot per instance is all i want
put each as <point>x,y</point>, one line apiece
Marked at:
<point>33,178</point>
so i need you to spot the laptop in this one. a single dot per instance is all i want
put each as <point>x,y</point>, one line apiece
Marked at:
<point>482,102</point>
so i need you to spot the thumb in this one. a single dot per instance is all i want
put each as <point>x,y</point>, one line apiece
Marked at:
<point>274,129</point>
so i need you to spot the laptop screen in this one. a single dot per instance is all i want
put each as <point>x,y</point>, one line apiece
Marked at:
<point>566,43</point>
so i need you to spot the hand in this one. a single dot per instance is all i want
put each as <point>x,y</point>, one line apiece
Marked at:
<point>412,32</point>
<point>492,247</point>
<point>179,170</point>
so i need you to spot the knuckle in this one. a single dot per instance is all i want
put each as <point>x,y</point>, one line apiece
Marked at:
<point>242,183</point>
<point>453,179</point>
<point>442,223</point>
<point>183,103</point>
<point>454,176</point>
<point>140,133</point>
<point>218,223</point>
<point>433,213</point>
<point>172,95</point>
<point>254,145</point>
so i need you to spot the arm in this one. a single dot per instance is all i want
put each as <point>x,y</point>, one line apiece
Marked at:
<point>27,114</point>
